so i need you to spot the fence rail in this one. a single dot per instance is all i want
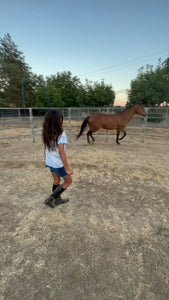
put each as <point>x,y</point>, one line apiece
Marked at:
<point>17,122</point>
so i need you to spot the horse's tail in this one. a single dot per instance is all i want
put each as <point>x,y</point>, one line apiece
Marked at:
<point>83,126</point>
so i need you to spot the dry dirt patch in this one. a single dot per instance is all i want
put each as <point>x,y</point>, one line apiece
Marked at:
<point>111,241</point>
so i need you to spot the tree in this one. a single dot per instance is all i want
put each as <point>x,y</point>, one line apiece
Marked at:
<point>47,95</point>
<point>99,94</point>
<point>166,75</point>
<point>166,66</point>
<point>151,87</point>
<point>18,83</point>
<point>65,90</point>
<point>60,90</point>
<point>15,74</point>
<point>69,86</point>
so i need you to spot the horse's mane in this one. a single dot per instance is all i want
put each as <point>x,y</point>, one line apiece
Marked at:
<point>129,106</point>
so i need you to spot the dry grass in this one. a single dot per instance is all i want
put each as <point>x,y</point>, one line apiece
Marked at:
<point>109,242</point>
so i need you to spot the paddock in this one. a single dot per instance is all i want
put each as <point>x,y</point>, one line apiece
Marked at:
<point>109,242</point>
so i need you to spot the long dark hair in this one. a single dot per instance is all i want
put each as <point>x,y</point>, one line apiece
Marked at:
<point>52,128</point>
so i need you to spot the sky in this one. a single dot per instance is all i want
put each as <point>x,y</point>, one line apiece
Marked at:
<point>97,40</point>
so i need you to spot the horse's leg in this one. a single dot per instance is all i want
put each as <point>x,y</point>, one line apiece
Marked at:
<point>92,135</point>
<point>89,133</point>
<point>117,137</point>
<point>88,136</point>
<point>123,135</point>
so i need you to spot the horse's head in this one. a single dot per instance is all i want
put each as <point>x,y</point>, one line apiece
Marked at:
<point>140,110</point>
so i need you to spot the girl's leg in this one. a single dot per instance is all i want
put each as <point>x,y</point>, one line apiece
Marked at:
<point>56,185</point>
<point>60,188</point>
<point>67,182</point>
<point>56,178</point>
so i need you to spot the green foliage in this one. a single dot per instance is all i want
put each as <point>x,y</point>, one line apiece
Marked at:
<point>151,87</point>
<point>99,94</point>
<point>58,90</point>
<point>66,90</point>
<point>48,96</point>
<point>155,116</point>
<point>12,71</point>
<point>2,102</point>
<point>16,76</point>
<point>69,87</point>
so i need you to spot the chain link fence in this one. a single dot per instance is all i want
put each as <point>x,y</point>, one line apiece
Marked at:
<point>18,122</point>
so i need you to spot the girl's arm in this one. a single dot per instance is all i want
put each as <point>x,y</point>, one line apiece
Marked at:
<point>64,159</point>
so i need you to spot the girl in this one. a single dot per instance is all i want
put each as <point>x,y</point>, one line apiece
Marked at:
<point>54,139</point>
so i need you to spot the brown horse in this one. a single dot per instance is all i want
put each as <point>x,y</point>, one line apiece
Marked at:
<point>116,121</point>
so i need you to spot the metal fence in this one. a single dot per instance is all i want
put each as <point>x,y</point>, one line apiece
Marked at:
<point>17,122</point>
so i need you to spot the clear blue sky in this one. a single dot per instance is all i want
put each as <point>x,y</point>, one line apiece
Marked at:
<point>94,39</point>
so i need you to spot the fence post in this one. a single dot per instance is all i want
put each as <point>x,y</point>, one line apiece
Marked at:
<point>166,115</point>
<point>31,121</point>
<point>70,124</point>
<point>19,113</point>
<point>145,124</point>
<point>107,130</point>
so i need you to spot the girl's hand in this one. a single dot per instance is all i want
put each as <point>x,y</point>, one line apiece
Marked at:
<point>69,171</point>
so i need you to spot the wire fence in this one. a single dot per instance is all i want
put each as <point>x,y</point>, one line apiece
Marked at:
<point>20,122</point>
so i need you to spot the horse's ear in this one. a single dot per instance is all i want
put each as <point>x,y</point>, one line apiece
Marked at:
<point>140,103</point>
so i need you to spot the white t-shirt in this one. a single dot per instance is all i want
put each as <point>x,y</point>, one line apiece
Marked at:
<point>52,157</point>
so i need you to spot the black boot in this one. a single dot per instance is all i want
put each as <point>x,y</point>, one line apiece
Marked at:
<point>59,200</point>
<point>57,195</point>
<point>49,201</point>
<point>54,187</point>
<point>55,198</point>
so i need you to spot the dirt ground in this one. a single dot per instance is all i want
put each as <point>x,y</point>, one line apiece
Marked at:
<point>110,241</point>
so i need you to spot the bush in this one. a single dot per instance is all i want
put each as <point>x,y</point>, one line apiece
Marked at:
<point>156,117</point>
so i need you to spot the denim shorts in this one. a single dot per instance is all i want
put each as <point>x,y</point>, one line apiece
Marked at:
<point>60,171</point>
